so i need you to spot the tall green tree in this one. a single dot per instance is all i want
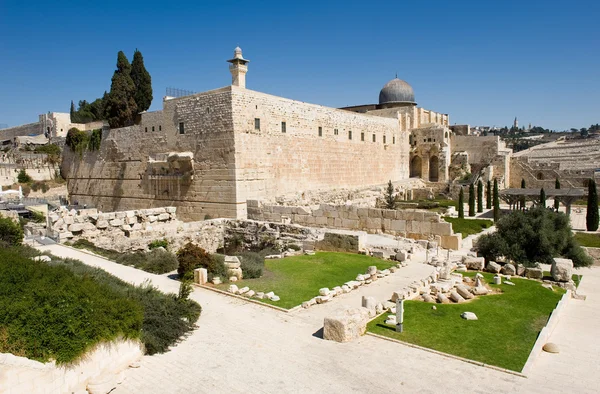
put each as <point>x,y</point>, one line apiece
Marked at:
<point>72,113</point>
<point>461,204</point>
<point>496,201</point>
<point>471,200</point>
<point>542,198</point>
<point>522,199</point>
<point>479,196</point>
<point>488,195</point>
<point>121,108</point>
<point>556,202</point>
<point>591,217</point>
<point>142,81</point>
<point>390,197</point>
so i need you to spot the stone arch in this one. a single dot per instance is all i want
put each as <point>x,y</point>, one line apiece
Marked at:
<point>539,176</point>
<point>415,167</point>
<point>434,170</point>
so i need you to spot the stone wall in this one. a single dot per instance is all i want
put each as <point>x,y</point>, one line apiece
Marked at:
<point>365,150</point>
<point>17,131</point>
<point>485,152</point>
<point>102,368</point>
<point>234,159</point>
<point>416,224</point>
<point>134,230</point>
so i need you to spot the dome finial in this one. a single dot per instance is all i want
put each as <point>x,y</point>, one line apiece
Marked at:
<point>396,74</point>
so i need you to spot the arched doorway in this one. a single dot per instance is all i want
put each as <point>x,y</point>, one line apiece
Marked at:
<point>415,167</point>
<point>434,169</point>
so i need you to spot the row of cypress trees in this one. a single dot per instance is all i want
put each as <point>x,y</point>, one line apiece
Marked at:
<point>489,197</point>
<point>130,93</point>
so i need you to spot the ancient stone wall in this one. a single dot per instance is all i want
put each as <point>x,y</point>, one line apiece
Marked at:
<point>133,230</point>
<point>119,176</point>
<point>485,151</point>
<point>299,146</point>
<point>416,224</point>
<point>538,174</point>
<point>17,131</point>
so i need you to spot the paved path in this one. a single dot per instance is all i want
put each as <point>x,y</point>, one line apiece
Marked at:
<point>241,347</point>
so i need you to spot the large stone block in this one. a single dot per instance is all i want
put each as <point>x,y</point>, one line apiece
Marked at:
<point>534,273</point>
<point>346,326</point>
<point>474,263</point>
<point>562,269</point>
<point>398,225</point>
<point>451,241</point>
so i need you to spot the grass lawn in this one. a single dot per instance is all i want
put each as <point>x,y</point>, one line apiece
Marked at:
<point>468,226</point>
<point>504,335</point>
<point>588,240</point>
<point>298,278</point>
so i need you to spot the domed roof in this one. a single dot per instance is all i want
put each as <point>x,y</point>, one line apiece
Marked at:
<point>397,91</point>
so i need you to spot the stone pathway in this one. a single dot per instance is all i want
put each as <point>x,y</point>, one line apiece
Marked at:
<point>241,347</point>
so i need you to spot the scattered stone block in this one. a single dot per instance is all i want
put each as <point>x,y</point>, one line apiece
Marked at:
<point>402,256</point>
<point>550,347</point>
<point>562,269</point>
<point>464,292</point>
<point>548,286</point>
<point>497,279</point>
<point>534,273</point>
<point>260,295</point>
<point>309,303</point>
<point>520,269</point>
<point>346,289</point>
<point>468,316</point>
<point>116,222</point>
<point>442,299</point>
<point>200,276</point>
<point>269,295</point>
<point>42,258</point>
<point>508,282</point>
<point>322,299</point>
<point>493,267</point>
<point>152,218</point>
<point>474,263</point>
<point>346,325</point>
<point>454,296</point>
<point>372,270</point>
<point>250,294</point>
<point>216,280</point>
<point>480,290</point>
<point>391,320</point>
<point>232,289</point>
<point>508,269</point>
<point>428,298</point>
<point>233,279</point>
<point>370,303</point>
<point>324,291</point>
<point>243,290</point>
<point>274,298</point>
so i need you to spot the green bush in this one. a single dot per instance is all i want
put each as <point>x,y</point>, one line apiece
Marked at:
<point>165,320</point>
<point>38,217</point>
<point>157,261</point>
<point>537,235</point>
<point>95,140</point>
<point>159,243</point>
<point>11,233</point>
<point>47,312</point>
<point>191,256</point>
<point>77,140</point>
<point>45,187</point>
<point>50,149</point>
<point>252,264</point>
<point>23,177</point>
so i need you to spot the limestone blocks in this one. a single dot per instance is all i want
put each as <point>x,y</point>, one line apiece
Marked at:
<point>346,326</point>
<point>562,269</point>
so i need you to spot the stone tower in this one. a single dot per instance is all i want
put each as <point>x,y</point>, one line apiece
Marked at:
<point>238,68</point>
<point>515,124</point>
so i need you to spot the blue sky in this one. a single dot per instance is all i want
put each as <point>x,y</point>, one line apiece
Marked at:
<point>481,62</point>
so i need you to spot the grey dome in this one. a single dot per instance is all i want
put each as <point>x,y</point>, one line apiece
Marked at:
<point>397,91</point>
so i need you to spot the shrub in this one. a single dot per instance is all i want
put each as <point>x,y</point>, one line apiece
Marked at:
<point>159,243</point>
<point>45,187</point>
<point>165,320</point>
<point>38,217</point>
<point>294,247</point>
<point>252,264</point>
<point>192,256</point>
<point>537,235</point>
<point>159,261</point>
<point>50,149</point>
<point>41,306</point>
<point>185,289</point>
<point>23,177</point>
<point>77,140</point>
<point>11,233</point>
<point>95,140</point>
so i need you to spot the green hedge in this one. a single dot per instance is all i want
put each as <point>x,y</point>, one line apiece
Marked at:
<point>50,313</point>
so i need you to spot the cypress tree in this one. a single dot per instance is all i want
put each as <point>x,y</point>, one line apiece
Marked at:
<point>390,198</point>
<point>556,202</point>
<point>142,81</point>
<point>496,201</point>
<point>479,196</point>
<point>121,108</point>
<point>488,195</point>
<point>72,113</point>
<point>591,217</point>
<point>522,200</point>
<point>471,200</point>
<point>543,198</point>
<point>461,204</point>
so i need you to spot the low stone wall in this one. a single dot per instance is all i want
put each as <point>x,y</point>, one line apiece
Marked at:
<point>546,332</point>
<point>101,369</point>
<point>416,224</point>
<point>133,230</point>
